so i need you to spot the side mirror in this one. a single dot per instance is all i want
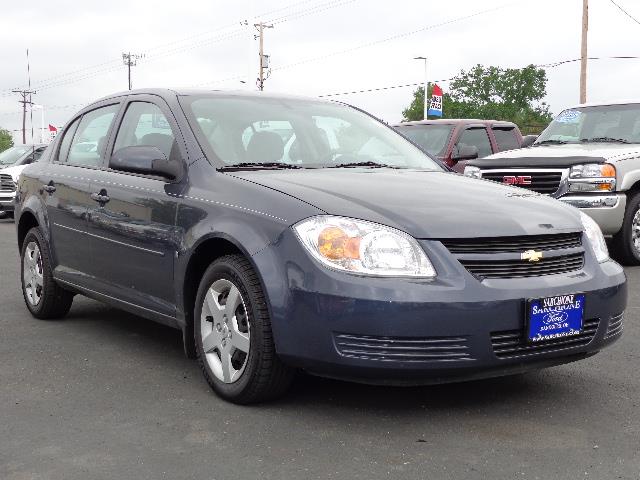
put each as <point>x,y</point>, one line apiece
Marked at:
<point>145,159</point>
<point>466,152</point>
<point>528,140</point>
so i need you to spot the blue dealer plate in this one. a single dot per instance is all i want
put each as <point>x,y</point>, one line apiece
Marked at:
<point>555,317</point>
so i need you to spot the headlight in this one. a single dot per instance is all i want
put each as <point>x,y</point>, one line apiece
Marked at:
<point>592,177</point>
<point>596,239</point>
<point>364,248</point>
<point>473,172</point>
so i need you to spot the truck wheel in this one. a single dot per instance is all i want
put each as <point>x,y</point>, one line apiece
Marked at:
<point>626,243</point>
<point>233,337</point>
<point>44,298</point>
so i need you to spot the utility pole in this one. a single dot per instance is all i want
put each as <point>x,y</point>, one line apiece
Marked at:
<point>131,60</point>
<point>583,54</point>
<point>26,100</point>
<point>264,59</point>
<point>426,87</point>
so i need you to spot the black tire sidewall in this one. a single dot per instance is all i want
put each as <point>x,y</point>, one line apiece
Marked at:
<point>623,241</point>
<point>34,235</point>
<point>224,269</point>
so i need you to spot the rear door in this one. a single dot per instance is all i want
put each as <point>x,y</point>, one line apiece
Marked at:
<point>132,216</point>
<point>66,191</point>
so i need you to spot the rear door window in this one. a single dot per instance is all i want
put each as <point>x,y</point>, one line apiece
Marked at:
<point>477,137</point>
<point>506,138</point>
<point>90,140</point>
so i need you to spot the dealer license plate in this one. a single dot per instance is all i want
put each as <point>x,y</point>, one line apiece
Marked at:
<point>551,318</point>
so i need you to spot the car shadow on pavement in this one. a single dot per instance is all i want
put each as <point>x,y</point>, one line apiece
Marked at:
<point>310,392</point>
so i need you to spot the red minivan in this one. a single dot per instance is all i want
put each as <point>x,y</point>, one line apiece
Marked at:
<point>454,141</point>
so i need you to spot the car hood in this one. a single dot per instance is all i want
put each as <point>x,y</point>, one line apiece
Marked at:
<point>14,171</point>
<point>422,203</point>
<point>608,152</point>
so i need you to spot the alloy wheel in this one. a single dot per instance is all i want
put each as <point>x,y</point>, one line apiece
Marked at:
<point>32,273</point>
<point>225,331</point>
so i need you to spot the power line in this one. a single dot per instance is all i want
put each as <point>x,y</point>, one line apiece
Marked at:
<point>625,12</point>
<point>419,84</point>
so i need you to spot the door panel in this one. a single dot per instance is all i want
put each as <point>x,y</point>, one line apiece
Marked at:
<point>133,239</point>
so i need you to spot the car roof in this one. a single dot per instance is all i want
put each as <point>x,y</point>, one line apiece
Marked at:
<point>167,93</point>
<point>602,104</point>
<point>458,121</point>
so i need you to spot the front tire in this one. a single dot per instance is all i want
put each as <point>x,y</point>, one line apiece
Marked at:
<point>44,298</point>
<point>233,337</point>
<point>625,245</point>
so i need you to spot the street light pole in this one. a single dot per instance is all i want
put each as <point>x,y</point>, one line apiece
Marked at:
<point>426,87</point>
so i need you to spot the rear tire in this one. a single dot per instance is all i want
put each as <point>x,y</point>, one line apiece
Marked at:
<point>625,245</point>
<point>233,337</point>
<point>44,298</point>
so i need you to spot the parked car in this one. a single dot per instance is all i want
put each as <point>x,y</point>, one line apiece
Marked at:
<point>12,161</point>
<point>589,157</point>
<point>455,141</point>
<point>367,262</point>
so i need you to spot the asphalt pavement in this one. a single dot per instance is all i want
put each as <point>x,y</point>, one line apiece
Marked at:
<point>104,394</point>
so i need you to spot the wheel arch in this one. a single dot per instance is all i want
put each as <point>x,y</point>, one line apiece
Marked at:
<point>203,253</point>
<point>26,222</point>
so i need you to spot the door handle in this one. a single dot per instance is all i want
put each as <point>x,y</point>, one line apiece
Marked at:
<point>101,197</point>
<point>49,188</point>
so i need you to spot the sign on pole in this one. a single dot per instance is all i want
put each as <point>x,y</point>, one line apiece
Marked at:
<point>435,105</point>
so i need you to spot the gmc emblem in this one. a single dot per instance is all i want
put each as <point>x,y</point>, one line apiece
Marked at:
<point>517,179</point>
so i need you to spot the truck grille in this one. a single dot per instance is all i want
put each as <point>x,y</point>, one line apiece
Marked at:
<point>6,184</point>
<point>523,268</point>
<point>541,182</point>
<point>403,349</point>
<point>513,244</point>
<point>511,343</point>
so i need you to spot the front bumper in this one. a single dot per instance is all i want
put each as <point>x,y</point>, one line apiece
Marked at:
<point>404,331</point>
<point>606,209</point>
<point>7,204</point>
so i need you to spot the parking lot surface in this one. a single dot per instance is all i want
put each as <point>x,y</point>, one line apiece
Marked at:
<point>107,395</point>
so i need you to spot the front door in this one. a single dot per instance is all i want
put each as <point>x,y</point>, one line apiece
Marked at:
<point>132,218</point>
<point>66,184</point>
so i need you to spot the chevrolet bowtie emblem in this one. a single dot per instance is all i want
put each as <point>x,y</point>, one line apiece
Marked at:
<point>531,256</point>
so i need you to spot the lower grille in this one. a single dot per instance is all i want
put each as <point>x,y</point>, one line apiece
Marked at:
<point>403,349</point>
<point>511,343</point>
<point>615,326</point>
<point>6,184</point>
<point>522,268</point>
<point>541,182</point>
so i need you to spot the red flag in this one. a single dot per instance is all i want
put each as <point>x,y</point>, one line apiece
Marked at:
<point>52,128</point>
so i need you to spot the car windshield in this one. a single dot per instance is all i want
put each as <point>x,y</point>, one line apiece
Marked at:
<point>266,132</point>
<point>432,138</point>
<point>12,155</point>
<point>597,124</point>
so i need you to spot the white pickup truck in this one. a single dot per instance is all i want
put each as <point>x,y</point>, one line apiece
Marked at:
<point>588,157</point>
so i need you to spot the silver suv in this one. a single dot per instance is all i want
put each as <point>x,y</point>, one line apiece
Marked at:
<point>588,157</point>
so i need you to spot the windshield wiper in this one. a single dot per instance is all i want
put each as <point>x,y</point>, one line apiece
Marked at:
<point>363,164</point>
<point>258,166</point>
<point>604,140</point>
<point>549,142</point>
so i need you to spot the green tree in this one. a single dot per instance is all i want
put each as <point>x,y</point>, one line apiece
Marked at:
<point>6,141</point>
<point>493,93</point>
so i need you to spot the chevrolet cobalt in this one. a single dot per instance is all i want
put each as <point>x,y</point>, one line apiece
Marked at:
<point>281,233</point>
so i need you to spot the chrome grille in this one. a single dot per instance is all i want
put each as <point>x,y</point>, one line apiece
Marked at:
<point>513,244</point>
<point>546,182</point>
<point>523,268</point>
<point>6,184</point>
<point>403,349</point>
<point>512,343</point>
<point>615,326</point>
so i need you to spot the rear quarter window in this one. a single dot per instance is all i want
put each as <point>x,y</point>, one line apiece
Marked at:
<point>506,139</point>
